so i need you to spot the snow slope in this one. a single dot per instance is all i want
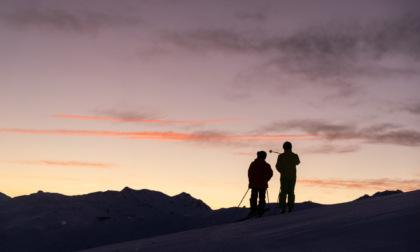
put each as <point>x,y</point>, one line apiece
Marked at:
<point>387,223</point>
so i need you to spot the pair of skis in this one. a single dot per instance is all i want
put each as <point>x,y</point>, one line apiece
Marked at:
<point>255,215</point>
<point>252,215</point>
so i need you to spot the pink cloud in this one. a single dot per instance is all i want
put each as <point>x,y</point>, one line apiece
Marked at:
<point>64,163</point>
<point>139,120</point>
<point>63,132</point>
<point>170,136</point>
<point>219,138</point>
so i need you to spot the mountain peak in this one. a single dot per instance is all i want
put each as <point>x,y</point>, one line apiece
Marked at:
<point>191,201</point>
<point>183,195</point>
<point>380,194</point>
<point>4,197</point>
<point>127,189</point>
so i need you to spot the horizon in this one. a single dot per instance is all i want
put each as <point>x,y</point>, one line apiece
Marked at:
<point>244,204</point>
<point>91,221</point>
<point>180,96</point>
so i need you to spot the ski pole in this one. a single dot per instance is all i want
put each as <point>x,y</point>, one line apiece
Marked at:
<point>268,201</point>
<point>239,204</point>
<point>274,152</point>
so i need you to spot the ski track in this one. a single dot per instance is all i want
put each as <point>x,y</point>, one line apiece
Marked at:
<point>390,223</point>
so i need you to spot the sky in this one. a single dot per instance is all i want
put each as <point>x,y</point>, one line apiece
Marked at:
<point>179,96</point>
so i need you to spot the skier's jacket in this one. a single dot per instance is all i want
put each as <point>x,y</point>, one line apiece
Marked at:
<point>259,173</point>
<point>286,164</point>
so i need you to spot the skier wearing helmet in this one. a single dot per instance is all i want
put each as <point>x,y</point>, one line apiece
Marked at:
<point>286,165</point>
<point>259,173</point>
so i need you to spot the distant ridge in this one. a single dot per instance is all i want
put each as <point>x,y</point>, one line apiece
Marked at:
<point>380,194</point>
<point>4,197</point>
<point>189,201</point>
<point>94,219</point>
<point>107,217</point>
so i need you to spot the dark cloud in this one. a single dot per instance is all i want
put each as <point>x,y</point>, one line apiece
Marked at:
<point>377,134</point>
<point>315,127</point>
<point>64,20</point>
<point>142,113</point>
<point>413,107</point>
<point>329,55</point>
<point>397,137</point>
<point>215,40</point>
<point>330,43</point>
<point>330,148</point>
<point>348,50</point>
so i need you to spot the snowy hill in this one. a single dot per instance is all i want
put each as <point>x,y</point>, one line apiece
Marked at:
<point>388,223</point>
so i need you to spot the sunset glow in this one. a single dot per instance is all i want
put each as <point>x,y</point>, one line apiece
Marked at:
<point>179,96</point>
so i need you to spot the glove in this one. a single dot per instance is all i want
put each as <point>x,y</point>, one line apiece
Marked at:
<point>249,185</point>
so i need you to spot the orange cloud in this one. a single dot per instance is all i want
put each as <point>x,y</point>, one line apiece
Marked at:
<point>139,120</point>
<point>375,184</point>
<point>170,136</point>
<point>220,138</point>
<point>64,163</point>
<point>63,132</point>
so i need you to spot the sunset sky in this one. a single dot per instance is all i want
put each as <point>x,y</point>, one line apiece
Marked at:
<point>178,96</point>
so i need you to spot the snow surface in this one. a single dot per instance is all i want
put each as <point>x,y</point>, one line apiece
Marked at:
<point>387,223</point>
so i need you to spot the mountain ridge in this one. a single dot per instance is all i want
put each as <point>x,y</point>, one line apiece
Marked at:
<point>106,217</point>
<point>380,194</point>
<point>3,197</point>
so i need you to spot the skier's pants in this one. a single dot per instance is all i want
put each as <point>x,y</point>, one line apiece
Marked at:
<point>257,193</point>
<point>287,188</point>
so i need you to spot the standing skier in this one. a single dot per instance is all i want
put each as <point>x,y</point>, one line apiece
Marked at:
<point>259,173</point>
<point>286,165</point>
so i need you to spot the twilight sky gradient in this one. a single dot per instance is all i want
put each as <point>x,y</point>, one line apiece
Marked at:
<point>180,95</point>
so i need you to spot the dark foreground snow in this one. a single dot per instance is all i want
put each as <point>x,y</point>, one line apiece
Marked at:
<point>389,223</point>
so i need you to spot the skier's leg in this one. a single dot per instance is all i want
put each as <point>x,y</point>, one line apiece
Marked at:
<point>283,193</point>
<point>253,200</point>
<point>291,193</point>
<point>261,203</point>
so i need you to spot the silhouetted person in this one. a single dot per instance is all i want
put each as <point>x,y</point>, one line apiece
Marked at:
<point>286,165</point>
<point>259,173</point>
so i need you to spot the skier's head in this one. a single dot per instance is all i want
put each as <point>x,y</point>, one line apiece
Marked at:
<point>287,146</point>
<point>262,154</point>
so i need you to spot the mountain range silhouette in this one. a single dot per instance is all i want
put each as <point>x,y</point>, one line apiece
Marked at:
<point>56,222</point>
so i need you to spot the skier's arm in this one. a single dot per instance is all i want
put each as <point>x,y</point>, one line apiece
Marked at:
<point>278,164</point>
<point>270,173</point>
<point>250,175</point>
